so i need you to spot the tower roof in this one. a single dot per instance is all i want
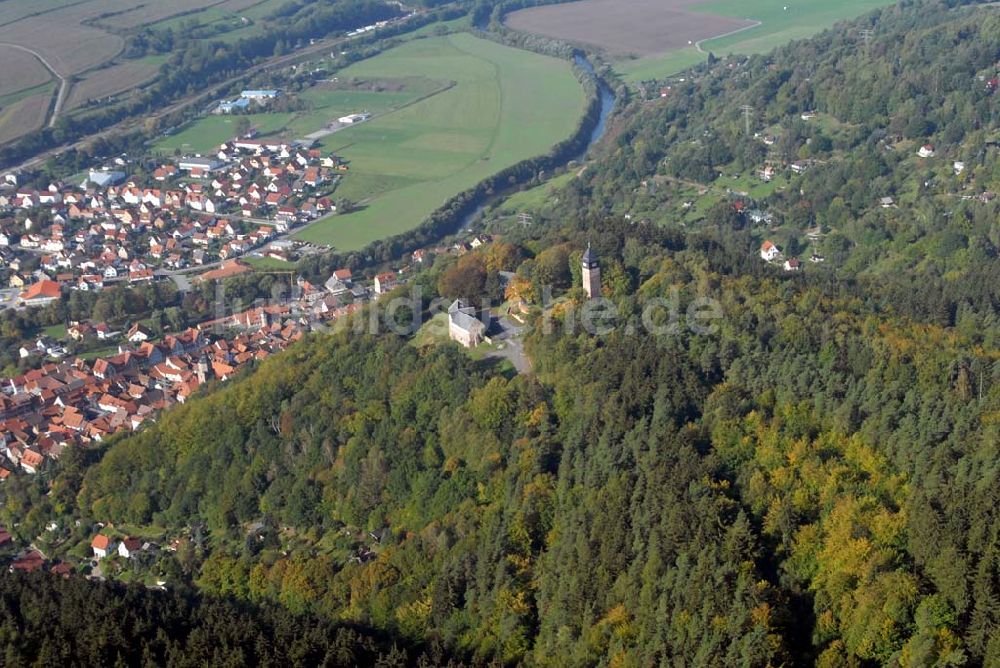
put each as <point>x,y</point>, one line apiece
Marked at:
<point>589,256</point>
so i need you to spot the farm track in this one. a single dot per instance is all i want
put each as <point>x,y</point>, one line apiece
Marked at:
<point>698,44</point>
<point>63,81</point>
<point>496,129</point>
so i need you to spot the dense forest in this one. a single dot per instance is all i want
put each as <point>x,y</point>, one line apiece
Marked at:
<point>49,621</point>
<point>810,480</point>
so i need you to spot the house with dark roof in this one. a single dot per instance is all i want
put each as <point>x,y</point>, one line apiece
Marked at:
<point>464,326</point>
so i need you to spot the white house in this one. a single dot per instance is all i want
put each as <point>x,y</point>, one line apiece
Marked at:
<point>129,547</point>
<point>197,162</point>
<point>769,252</point>
<point>102,546</point>
<point>385,282</point>
<point>138,334</point>
<point>926,151</point>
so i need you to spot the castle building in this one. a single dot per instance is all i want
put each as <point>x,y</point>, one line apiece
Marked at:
<point>591,274</point>
<point>463,326</point>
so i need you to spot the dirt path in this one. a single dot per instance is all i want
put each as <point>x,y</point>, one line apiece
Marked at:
<point>756,24</point>
<point>63,81</point>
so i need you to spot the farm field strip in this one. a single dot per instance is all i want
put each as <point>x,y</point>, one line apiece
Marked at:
<point>42,39</point>
<point>506,105</point>
<point>239,5</point>
<point>70,50</point>
<point>21,70</point>
<point>778,25</point>
<point>12,11</point>
<point>110,81</point>
<point>151,13</point>
<point>24,116</point>
<point>648,27</point>
<point>656,38</point>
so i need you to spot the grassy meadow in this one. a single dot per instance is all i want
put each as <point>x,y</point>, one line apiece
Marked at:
<point>208,133</point>
<point>779,25</point>
<point>324,103</point>
<point>505,105</point>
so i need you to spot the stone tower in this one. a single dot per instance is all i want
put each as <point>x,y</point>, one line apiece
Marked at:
<point>591,274</point>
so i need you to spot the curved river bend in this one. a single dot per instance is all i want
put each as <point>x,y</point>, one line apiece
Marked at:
<point>607,104</point>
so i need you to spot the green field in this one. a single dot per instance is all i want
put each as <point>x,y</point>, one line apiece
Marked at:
<point>208,133</point>
<point>506,105</point>
<point>323,105</point>
<point>537,197</point>
<point>778,26</point>
<point>268,263</point>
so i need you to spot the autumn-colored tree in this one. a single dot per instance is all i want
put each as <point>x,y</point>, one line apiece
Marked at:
<point>465,279</point>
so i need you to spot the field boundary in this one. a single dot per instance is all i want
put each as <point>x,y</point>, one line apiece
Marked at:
<point>320,134</point>
<point>63,81</point>
<point>496,77</point>
<point>463,206</point>
<point>697,45</point>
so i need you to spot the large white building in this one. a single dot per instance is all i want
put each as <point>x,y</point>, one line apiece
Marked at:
<point>260,95</point>
<point>351,119</point>
<point>206,164</point>
<point>464,326</point>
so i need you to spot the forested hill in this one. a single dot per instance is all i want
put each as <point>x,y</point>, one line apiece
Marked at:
<point>51,621</point>
<point>813,480</point>
<point>926,76</point>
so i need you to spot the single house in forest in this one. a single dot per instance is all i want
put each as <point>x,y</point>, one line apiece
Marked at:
<point>128,547</point>
<point>102,546</point>
<point>769,252</point>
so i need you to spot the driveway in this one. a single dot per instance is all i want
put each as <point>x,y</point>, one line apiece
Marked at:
<point>507,344</point>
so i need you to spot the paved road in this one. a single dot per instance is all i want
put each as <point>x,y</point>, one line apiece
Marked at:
<point>8,298</point>
<point>509,346</point>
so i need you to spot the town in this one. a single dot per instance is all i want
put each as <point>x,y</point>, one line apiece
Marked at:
<point>64,402</point>
<point>185,214</point>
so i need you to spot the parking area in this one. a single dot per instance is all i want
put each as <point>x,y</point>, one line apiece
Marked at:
<point>8,298</point>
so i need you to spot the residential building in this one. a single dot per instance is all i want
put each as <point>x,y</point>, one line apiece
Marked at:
<point>769,252</point>
<point>102,546</point>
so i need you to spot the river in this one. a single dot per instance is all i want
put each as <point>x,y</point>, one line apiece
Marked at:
<point>607,104</point>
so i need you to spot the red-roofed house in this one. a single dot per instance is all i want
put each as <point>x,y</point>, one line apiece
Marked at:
<point>385,282</point>
<point>102,546</point>
<point>40,293</point>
